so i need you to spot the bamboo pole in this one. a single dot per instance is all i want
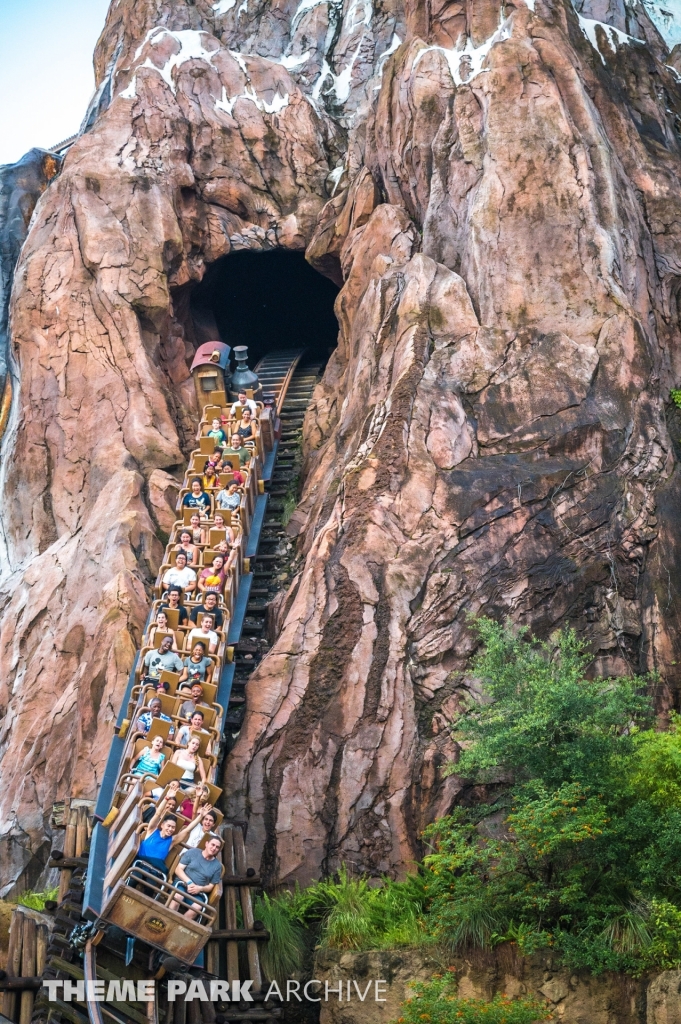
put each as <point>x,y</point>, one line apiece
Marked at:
<point>9,999</point>
<point>28,959</point>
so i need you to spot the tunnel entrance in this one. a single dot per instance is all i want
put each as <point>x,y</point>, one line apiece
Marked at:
<point>268,300</point>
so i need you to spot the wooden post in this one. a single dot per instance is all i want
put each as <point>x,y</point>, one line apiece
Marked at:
<point>69,851</point>
<point>28,958</point>
<point>42,939</point>
<point>169,1011</point>
<point>194,1012</point>
<point>9,999</point>
<point>81,830</point>
<point>213,958</point>
<point>230,905</point>
<point>247,910</point>
<point>208,1012</point>
<point>180,1011</point>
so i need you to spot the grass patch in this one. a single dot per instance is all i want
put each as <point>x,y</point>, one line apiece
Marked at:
<point>342,913</point>
<point>290,502</point>
<point>37,900</point>
<point>283,956</point>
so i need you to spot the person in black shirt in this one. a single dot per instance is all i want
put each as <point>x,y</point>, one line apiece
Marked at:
<point>246,429</point>
<point>209,607</point>
<point>172,600</point>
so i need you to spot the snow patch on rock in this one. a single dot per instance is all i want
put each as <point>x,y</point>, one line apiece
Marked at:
<point>303,7</point>
<point>619,38</point>
<point>226,103</point>
<point>395,44</point>
<point>292,62</point>
<point>191,48</point>
<point>351,19</point>
<point>666,16</point>
<point>472,57</point>
<point>131,91</point>
<point>278,101</point>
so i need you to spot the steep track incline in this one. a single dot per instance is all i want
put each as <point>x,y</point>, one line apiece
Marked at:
<point>233,953</point>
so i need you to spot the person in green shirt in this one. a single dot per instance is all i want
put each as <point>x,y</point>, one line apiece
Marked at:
<point>237,448</point>
<point>217,433</point>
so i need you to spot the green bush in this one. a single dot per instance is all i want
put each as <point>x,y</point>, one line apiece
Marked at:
<point>436,1002</point>
<point>588,856</point>
<point>573,841</point>
<point>675,395</point>
<point>348,913</point>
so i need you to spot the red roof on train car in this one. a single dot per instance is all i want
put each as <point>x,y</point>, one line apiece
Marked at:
<point>205,355</point>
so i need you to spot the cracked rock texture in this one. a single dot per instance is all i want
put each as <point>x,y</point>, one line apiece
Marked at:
<point>21,185</point>
<point>498,194</point>
<point>572,998</point>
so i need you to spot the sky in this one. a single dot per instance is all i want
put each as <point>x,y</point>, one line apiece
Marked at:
<point>46,77</point>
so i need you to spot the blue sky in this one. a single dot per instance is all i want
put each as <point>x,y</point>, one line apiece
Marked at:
<point>46,77</point>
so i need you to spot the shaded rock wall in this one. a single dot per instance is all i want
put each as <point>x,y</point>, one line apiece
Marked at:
<point>572,998</point>
<point>21,185</point>
<point>498,194</point>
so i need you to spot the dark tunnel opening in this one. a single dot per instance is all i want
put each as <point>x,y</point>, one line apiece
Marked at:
<point>267,300</point>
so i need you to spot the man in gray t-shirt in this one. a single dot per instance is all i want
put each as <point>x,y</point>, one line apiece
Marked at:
<point>164,658</point>
<point>197,873</point>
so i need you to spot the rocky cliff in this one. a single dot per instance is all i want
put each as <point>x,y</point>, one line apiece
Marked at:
<point>497,191</point>
<point>21,185</point>
<point>573,998</point>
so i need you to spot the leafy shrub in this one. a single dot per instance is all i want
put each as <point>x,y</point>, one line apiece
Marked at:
<point>675,395</point>
<point>436,1002</point>
<point>655,772</point>
<point>348,913</point>
<point>573,841</point>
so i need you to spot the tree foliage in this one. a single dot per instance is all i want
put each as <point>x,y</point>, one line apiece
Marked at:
<point>588,859</point>
<point>575,844</point>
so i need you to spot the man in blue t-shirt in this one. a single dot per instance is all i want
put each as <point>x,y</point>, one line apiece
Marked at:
<point>160,836</point>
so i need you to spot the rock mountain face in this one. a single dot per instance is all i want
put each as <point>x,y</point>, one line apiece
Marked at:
<point>497,190</point>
